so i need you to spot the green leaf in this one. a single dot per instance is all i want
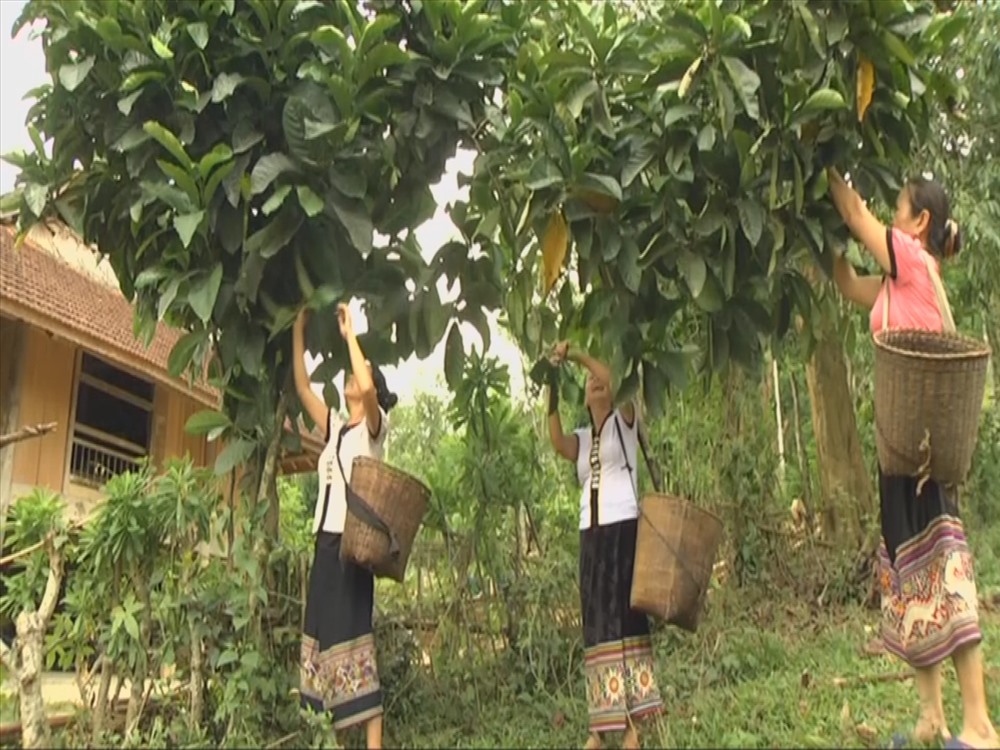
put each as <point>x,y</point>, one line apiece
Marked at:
<point>220,153</point>
<point>198,33</point>
<point>454,357</point>
<point>640,155</point>
<point>176,199</point>
<point>36,197</point>
<point>747,83</point>
<point>276,200</point>
<point>350,182</point>
<point>206,421</point>
<point>181,177</point>
<point>170,142</point>
<point>267,169</point>
<point>71,75</point>
<point>628,265</point>
<point>579,98</point>
<point>161,49</point>
<point>167,297</point>
<point>354,217</point>
<point>269,240</point>
<point>824,99</point>
<point>186,225</point>
<point>679,112</point>
<point>131,626</point>
<point>375,61</point>
<point>251,351</point>
<point>235,453</point>
<point>601,183</point>
<point>706,138</point>
<point>693,269</point>
<point>311,203</point>
<point>204,292</point>
<point>183,352</point>
<point>897,47</point>
<point>245,137</point>
<point>224,86</point>
<point>751,219</point>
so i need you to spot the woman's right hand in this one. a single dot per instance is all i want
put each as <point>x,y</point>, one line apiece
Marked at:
<point>559,353</point>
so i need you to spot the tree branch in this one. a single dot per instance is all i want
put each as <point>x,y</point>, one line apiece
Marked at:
<point>26,433</point>
<point>51,596</point>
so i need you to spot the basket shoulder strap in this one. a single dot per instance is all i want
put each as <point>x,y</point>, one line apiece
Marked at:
<point>885,304</point>
<point>947,321</point>
<point>628,464</point>
<point>361,508</point>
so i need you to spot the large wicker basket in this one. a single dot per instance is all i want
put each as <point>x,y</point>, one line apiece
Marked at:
<point>675,553</point>
<point>929,391</point>
<point>382,496</point>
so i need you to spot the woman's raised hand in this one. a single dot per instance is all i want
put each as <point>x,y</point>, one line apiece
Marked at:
<point>344,319</point>
<point>559,352</point>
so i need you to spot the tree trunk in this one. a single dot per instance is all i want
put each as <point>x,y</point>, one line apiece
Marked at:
<point>12,338</point>
<point>137,699</point>
<point>197,706</point>
<point>800,451</point>
<point>779,421</point>
<point>27,658</point>
<point>845,485</point>
<point>267,488</point>
<point>101,702</point>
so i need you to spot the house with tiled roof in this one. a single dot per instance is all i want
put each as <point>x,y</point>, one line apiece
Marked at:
<point>69,355</point>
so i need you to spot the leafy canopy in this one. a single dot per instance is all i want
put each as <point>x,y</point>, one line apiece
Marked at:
<point>237,161</point>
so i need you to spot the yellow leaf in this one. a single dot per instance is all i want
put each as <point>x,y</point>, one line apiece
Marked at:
<point>866,85</point>
<point>554,243</point>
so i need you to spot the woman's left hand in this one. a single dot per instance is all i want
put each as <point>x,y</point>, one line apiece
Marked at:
<point>344,319</point>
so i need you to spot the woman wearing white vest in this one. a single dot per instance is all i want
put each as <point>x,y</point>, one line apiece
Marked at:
<point>621,688</point>
<point>338,668</point>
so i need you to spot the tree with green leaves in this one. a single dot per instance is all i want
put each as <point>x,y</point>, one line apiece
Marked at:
<point>669,158</point>
<point>236,161</point>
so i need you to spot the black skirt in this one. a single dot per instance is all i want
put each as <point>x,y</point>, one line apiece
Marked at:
<point>618,653</point>
<point>339,673</point>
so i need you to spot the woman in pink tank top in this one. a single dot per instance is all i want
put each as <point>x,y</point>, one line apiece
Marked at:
<point>929,598</point>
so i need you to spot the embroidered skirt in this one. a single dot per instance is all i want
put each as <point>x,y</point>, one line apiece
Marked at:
<point>929,600</point>
<point>338,669</point>
<point>618,653</point>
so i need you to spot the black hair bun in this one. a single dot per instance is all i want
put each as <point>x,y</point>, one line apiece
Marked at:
<point>387,400</point>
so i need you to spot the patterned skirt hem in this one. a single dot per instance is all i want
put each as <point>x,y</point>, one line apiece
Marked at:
<point>961,635</point>
<point>620,721</point>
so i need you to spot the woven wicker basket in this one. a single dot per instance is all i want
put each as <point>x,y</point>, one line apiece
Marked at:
<point>396,498</point>
<point>675,552</point>
<point>929,390</point>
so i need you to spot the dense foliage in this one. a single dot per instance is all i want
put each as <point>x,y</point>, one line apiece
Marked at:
<point>235,160</point>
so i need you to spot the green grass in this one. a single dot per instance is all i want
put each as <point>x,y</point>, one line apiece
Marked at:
<point>751,677</point>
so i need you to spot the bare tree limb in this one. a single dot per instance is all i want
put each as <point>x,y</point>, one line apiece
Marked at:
<point>51,596</point>
<point>26,433</point>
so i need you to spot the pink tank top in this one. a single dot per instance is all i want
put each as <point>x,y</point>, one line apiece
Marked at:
<point>912,301</point>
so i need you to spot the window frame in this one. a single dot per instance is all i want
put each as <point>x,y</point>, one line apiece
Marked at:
<point>89,433</point>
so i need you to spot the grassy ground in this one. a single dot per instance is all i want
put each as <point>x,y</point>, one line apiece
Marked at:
<point>764,677</point>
